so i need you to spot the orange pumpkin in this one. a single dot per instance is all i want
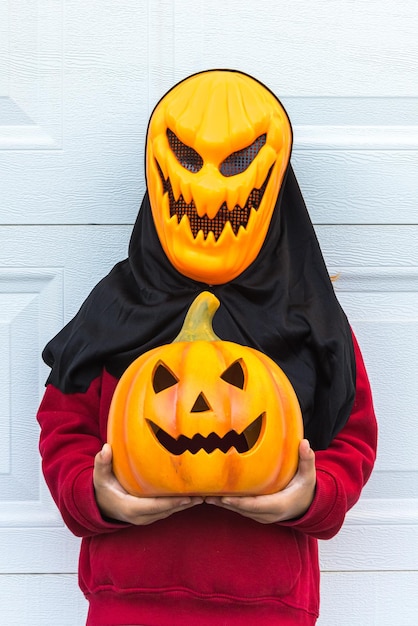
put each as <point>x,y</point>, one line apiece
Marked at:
<point>204,416</point>
<point>218,145</point>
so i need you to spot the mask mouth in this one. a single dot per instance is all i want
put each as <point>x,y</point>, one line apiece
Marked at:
<point>238,217</point>
<point>242,442</point>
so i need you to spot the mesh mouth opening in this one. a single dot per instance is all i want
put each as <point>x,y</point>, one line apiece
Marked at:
<point>238,217</point>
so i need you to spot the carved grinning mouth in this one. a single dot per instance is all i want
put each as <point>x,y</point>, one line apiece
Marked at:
<point>241,442</point>
<point>238,217</point>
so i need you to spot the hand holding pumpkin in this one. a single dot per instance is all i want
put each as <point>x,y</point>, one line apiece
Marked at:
<point>116,503</point>
<point>292,502</point>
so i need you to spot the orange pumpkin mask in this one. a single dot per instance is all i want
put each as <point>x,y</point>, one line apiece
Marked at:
<point>218,146</point>
<point>204,416</point>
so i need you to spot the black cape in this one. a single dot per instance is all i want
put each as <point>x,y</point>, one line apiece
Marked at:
<point>283,304</point>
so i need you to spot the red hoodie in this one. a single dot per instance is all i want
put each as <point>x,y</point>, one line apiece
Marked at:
<point>205,565</point>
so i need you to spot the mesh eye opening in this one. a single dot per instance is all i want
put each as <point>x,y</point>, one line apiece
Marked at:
<point>185,155</point>
<point>238,161</point>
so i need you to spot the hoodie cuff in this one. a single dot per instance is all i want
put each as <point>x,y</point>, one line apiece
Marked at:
<point>86,508</point>
<point>326,514</point>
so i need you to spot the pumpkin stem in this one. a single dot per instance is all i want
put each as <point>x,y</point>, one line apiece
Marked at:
<point>197,325</point>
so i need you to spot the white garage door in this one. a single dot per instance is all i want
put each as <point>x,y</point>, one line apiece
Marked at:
<point>77,83</point>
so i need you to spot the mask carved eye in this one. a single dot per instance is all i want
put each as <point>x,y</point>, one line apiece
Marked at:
<point>185,155</point>
<point>163,378</point>
<point>238,162</point>
<point>235,374</point>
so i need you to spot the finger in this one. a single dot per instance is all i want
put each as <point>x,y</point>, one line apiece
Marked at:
<point>306,460</point>
<point>305,451</point>
<point>106,453</point>
<point>162,503</point>
<point>148,510</point>
<point>183,503</point>
<point>248,504</point>
<point>103,459</point>
<point>103,470</point>
<point>245,506</point>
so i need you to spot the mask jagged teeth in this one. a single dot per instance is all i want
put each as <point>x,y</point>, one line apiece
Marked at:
<point>236,218</point>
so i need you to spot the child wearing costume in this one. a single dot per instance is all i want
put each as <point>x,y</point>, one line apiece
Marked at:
<point>223,213</point>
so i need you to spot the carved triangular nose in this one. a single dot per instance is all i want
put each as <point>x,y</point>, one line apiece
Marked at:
<point>201,404</point>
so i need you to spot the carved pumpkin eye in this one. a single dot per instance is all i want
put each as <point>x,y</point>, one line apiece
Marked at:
<point>238,162</point>
<point>235,374</point>
<point>185,155</point>
<point>163,378</point>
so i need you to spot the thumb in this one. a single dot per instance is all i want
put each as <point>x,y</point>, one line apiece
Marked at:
<point>306,457</point>
<point>103,459</point>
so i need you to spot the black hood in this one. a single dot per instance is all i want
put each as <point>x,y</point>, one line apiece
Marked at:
<point>283,304</point>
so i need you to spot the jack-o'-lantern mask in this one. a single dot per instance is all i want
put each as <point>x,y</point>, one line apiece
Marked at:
<point>218,146</point>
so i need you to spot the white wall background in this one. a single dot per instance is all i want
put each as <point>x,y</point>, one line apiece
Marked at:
<point>77,83</point>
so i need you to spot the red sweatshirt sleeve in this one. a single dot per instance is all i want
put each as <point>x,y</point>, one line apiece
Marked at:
<point>344,468</point>
<point>70,438</point>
